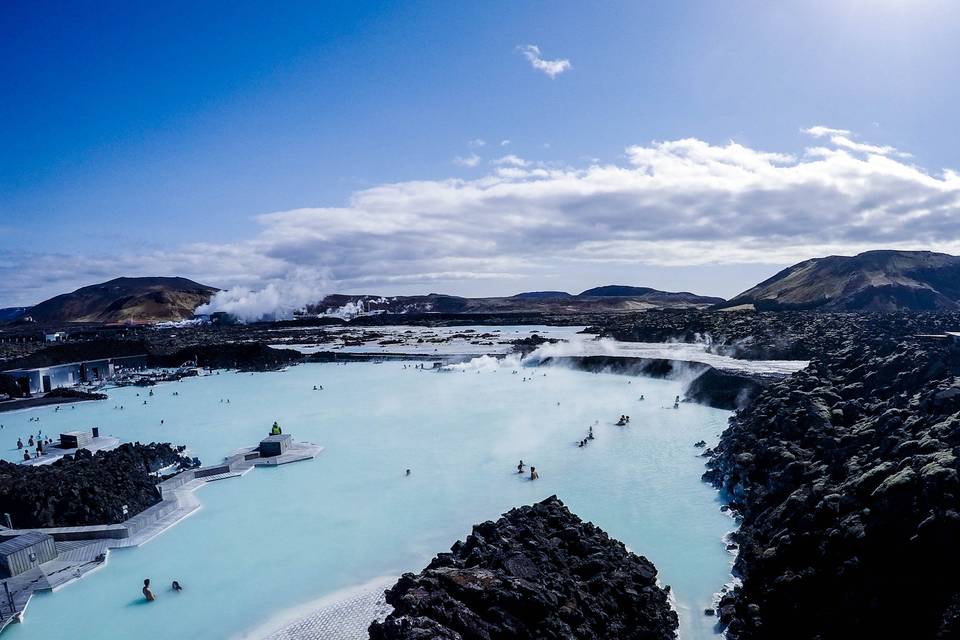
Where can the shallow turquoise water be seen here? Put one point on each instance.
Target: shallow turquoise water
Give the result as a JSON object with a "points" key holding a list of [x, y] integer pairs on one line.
{"points": [[281, 537]]}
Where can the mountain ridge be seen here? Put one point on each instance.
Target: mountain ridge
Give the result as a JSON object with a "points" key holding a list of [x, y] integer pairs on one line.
{"points": [[879, 280], [139, 300]]}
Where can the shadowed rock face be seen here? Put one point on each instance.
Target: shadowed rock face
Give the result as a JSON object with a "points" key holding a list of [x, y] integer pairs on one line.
{"points": [[538, 572], [847, 478]]}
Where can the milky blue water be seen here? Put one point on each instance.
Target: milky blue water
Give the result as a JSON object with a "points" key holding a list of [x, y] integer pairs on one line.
{"points": [[281, 537]]}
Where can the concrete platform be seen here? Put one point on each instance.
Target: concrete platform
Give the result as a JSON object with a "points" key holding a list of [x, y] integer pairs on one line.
{"points": [[53, 453]]}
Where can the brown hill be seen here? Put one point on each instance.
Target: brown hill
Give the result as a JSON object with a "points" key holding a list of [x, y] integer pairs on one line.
{"points": [[871, 281], [125, 300]]}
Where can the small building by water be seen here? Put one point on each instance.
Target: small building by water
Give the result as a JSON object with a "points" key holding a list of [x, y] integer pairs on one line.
{"points": [[25, 552], [77, 439], [45, 379], [275, 445]]}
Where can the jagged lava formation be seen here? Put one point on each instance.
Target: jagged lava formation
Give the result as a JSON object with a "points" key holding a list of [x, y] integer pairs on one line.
{"points": [[537, 572], [86, 489], [846, 479]]}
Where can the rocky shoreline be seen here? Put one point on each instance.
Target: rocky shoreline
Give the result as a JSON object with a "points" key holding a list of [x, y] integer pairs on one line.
{"points": [[55, 397], [847, 482], [782, 335], [539, 572], [708, 386]]}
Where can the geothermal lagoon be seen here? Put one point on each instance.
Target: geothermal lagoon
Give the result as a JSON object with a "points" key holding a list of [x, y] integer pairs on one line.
{"points": [[264, 547]]}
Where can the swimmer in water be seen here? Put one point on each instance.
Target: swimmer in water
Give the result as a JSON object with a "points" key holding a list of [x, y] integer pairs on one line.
{"points": [[147, 593], [533, 473], [408, 472], [520, 467], [176, 586]]}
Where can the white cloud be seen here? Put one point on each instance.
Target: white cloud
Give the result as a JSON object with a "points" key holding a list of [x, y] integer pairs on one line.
{"points": [[476, 143], [552, 68], [505, 143], [469, 161], [511, 160], [844, 138], [678, 202]]}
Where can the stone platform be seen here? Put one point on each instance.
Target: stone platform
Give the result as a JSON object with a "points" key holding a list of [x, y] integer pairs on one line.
{"points": [[52, 453]]}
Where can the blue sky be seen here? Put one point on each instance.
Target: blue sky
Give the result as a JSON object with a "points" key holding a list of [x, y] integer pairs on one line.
{"points": [[232, 142]]}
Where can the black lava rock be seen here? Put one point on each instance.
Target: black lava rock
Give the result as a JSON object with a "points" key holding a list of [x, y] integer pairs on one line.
{"points": [[847, 479], [86, 489], [538, 572]]}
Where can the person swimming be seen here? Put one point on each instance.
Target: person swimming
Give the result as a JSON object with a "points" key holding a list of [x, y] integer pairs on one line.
{"points": [[176, 586], [622, 421], [520, 467], [147, 593], [408, 472], [533, 473]]}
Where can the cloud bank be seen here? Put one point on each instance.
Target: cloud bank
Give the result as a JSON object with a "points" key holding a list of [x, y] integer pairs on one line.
{"points": [[678, 202]]}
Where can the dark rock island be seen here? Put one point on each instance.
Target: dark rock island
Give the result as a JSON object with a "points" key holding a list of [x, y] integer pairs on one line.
{"points": [[537, 572]]}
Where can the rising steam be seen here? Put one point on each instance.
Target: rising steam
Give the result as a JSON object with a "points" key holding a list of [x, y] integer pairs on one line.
{"points": [[275, 301]]}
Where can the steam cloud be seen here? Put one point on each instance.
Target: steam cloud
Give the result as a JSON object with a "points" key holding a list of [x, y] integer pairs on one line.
{"points": [[277, 300]]}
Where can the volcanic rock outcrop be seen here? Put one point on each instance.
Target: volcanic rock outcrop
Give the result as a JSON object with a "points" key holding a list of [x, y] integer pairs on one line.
{"points": [[537, 572], [784, 335], [847, 479], [86, 489]]}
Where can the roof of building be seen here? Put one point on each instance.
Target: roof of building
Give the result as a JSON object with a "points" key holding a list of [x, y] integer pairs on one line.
{"points": [[22, 542], [109, 360]]}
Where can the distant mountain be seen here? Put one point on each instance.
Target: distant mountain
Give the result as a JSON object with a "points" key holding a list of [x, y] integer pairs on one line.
{"points": [[618, 290], [542, 295], [555, 302], [122, 300], [656, 298], [871, 281], [11, 313]]}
